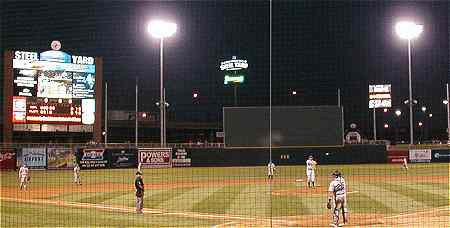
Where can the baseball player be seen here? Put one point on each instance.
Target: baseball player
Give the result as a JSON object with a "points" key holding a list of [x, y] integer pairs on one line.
{"points": [[311, 171], [139, 185], [270, 169], [338, 192], [405, 164], [76, 174], [24, 177]]}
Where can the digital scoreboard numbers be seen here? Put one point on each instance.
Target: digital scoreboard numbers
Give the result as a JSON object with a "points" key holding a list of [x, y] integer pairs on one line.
{"points": [[40, 110]]}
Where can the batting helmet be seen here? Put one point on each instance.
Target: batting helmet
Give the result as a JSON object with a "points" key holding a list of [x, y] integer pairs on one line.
{"points": [[336, 173]]}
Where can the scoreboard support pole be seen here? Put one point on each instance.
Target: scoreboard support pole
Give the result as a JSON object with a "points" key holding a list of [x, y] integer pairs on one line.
{"points": [[7, 96]]}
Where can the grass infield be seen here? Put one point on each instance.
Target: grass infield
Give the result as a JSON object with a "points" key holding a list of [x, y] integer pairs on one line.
{"points": [[379, 195]]}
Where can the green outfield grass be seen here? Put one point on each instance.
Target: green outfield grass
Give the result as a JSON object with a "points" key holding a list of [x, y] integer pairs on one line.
{"points": [[204, 197]]}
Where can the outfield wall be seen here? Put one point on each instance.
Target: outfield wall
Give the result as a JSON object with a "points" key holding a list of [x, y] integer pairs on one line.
{"points": [[98, 157]]}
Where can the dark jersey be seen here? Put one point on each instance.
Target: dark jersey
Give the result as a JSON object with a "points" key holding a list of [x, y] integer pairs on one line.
{"points": [[139, 185]]}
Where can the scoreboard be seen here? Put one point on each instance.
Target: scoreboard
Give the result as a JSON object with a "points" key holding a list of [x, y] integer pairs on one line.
{"points": [[53, 87]]}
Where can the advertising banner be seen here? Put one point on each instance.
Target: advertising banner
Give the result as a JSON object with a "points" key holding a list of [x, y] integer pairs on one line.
{"points": [[60, 158], [92, 158], [181, 158], [7, 159], [380, 96], [422, 155], [123, 158], [396, 156], [440, 155], [155, 157], [34, 158]]}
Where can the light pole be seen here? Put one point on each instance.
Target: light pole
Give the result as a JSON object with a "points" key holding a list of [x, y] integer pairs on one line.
{"points": [[448, 114], [398, 113], [409, 30], [162, 29]]}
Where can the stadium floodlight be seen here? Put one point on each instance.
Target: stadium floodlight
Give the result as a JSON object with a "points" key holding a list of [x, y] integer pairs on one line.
{"points": [[424, 109], [409, 30], [398, 112], [161, 29], [445, 102]]}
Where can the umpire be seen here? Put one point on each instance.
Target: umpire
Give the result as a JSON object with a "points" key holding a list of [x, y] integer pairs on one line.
{"points": [[139, 185]]}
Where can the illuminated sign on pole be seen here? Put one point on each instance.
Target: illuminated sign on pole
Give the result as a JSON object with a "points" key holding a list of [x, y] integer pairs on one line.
{"points": [[233, 79], [234, 64], [380, 96]]}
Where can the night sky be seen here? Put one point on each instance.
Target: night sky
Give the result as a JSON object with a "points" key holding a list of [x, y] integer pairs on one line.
{"points": [[317, 47]]}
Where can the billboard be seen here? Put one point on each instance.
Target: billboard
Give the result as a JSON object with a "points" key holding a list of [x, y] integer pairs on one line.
{"points": [[155, 157], [123, 158], [380, 96], [440, 155], [95, 158], [60, 158], [181, 157], [53, 87], [420, 155], [7, 159], [34, 158]]}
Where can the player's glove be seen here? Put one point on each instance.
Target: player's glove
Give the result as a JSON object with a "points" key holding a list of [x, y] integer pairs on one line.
{"points": [[329, 204], [28, 178]]}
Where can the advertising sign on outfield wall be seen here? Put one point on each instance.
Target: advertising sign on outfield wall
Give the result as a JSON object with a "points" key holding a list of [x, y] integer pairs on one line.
{"points": [[60, 158], [155, 157], [420, 155], [440, 155], [7, 159], [181, 157], [123, 157], [397, 156], [34, 158], [92, 158]]}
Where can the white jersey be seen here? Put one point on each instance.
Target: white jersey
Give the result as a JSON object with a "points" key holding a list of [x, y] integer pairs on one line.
{"points": [[338, 186], [310, 164], [23, 172], [76, 170], [270, 168]]}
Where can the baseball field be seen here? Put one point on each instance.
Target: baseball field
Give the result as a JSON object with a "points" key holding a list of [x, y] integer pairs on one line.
{"points": [[381, 195]]}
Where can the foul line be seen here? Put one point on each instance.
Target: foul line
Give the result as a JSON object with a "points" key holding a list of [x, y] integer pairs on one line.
{"points": [[149, 211]]}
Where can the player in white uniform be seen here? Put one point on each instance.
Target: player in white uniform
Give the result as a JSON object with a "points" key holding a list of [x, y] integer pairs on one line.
{"points": [[405, 164], [23, 177], [270, 169], [139, 167], [338, 192], [311, 171], [76, 174]]}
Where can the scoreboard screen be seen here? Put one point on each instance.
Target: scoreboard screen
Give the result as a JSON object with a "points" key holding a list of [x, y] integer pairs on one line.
{"points": [[53, 87]]}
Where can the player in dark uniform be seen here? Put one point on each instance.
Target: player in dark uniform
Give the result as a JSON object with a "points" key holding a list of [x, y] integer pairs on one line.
{"points": [[139, 185]]}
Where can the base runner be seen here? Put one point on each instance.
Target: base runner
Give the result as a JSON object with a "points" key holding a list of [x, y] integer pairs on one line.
{"points": [[24, 177], [338, 192]]}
